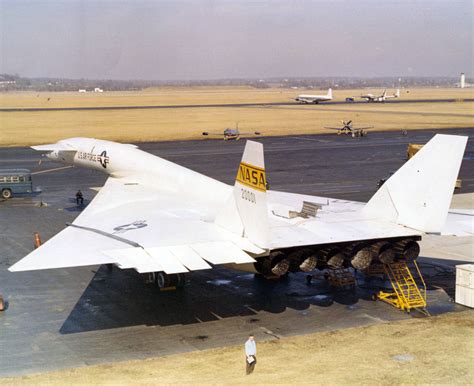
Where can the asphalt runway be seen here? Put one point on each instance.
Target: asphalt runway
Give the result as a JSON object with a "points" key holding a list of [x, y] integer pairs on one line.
{"points": [[75, 317], [220, 105]]}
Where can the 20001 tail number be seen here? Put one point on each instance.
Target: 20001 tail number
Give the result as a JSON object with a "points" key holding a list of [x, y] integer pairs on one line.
{"points": [[248, 196]]}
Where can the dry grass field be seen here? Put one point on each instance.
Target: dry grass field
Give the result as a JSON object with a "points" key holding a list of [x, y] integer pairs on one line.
{"points": [[436, 350], [27, 128]]}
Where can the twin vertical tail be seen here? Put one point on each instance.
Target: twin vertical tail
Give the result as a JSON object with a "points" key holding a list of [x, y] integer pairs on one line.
{"points": [[419, 194], [246, 211]]}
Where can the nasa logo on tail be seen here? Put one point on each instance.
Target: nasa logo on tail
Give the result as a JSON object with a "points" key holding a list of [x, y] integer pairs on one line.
{"points": [[252, 177]]}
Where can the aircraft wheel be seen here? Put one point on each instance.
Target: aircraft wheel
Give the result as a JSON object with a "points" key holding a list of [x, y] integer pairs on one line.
{"points": [[179, 280], [163, 280], [6, 194]]}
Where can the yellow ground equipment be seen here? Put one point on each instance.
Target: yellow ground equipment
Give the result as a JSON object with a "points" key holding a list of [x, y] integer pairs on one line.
{"points": [[413, 149], [406, 294]]}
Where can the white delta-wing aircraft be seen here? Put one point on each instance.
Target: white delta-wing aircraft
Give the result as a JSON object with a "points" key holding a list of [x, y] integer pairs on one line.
{"points": [[165, 220], [304, 98], [380, 98]]}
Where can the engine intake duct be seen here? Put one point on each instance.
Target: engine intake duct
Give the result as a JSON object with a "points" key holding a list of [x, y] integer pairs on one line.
{"points": [[407, 249], [361, 256], [333, 256], [384, 252]]}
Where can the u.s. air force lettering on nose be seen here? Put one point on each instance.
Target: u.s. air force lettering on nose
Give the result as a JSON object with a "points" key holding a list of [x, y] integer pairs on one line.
{"points": [[101, 158]]}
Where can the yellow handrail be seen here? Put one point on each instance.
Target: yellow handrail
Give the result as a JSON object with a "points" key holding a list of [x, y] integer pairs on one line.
{"points": [[422, 280]]}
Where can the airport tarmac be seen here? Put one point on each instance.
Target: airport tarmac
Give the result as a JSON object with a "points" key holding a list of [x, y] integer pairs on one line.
{"points": [[75, 317]]}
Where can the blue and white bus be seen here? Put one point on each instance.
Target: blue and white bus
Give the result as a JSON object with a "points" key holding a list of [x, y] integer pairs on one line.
{"points": [[15, 181]]}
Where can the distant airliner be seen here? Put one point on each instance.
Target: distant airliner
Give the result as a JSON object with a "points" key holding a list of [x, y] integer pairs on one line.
{"points": [[380, 98], [304, 98]]}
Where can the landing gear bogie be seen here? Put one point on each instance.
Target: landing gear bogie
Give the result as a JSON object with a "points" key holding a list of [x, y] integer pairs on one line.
{"points": [[166, 281]]}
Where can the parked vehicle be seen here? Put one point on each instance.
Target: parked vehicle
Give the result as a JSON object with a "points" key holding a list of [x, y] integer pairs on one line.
{"points": [[15, 181]]}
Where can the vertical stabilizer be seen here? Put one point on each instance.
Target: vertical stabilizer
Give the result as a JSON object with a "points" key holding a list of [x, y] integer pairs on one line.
{"points": [[419, 194], [245, 212], [330, 93], [250, 194]]}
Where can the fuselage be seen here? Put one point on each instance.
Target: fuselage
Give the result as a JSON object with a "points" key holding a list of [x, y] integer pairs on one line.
{"points": [[123, 160], [230, 134], [305, 98], [380, 98]]}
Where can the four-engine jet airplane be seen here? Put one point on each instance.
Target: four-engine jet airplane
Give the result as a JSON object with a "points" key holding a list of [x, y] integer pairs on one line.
{"points": [[380, 98], [230, 134], [304, 98], [165, 220], [347, 129]]}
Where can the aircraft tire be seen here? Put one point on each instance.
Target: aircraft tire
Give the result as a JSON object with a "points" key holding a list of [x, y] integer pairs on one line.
{"points": [[163, 280]]}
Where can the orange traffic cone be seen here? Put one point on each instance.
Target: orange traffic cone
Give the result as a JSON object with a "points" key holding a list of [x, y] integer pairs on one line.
{"points": [[37, 240]]}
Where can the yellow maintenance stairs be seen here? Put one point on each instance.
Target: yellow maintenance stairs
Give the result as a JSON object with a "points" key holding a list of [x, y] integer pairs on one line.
{"points": [[406, 294]]}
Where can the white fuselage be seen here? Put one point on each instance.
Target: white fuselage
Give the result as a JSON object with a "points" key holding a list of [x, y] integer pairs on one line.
{"points": [[304, 98], [381, 98], [122, 160]]}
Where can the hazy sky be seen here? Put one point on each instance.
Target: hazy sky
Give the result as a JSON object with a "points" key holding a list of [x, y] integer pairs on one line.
{"points": [[166, 40]]}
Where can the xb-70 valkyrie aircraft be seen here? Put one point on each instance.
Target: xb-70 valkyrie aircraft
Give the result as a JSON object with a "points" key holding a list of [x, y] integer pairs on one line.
{"points": [[165, 220]]}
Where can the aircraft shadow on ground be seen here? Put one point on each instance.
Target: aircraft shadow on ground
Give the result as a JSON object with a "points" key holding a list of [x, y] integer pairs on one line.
{"points": [[121, 299]]}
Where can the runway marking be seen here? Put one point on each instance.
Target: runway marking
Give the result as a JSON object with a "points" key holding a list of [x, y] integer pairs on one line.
{"points": [[217, 316], [21, 160], [270, 332], [251, 309], [307, 139], [52, 170]]}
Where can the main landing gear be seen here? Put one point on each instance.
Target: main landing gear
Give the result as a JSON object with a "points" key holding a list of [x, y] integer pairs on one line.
{"points": [[167, 282]]}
